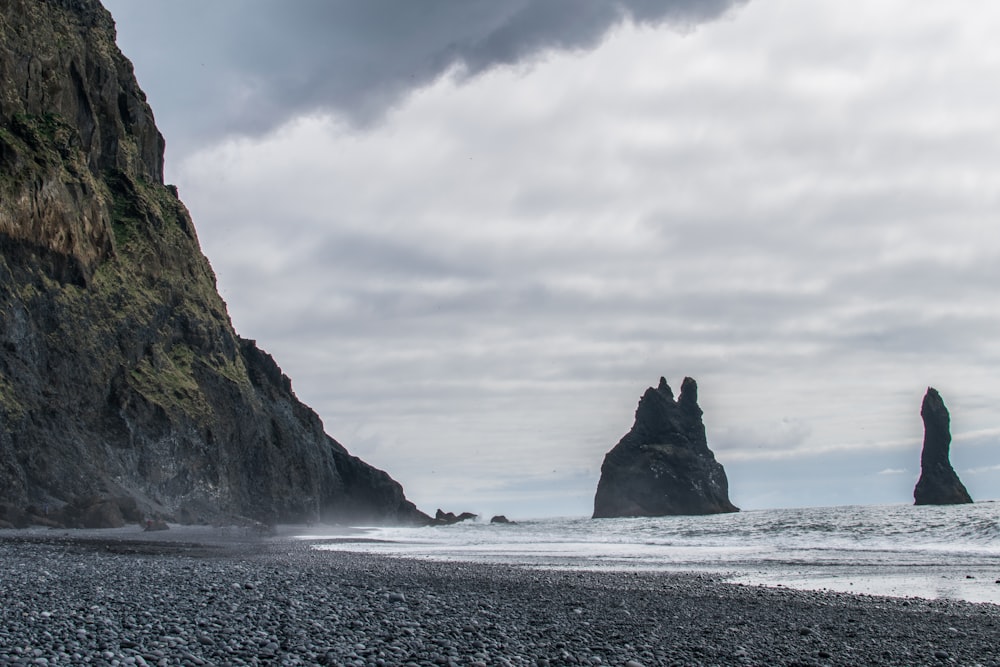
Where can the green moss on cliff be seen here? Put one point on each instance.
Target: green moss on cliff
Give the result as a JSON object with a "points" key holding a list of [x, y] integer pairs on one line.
{"points": [[46, 140], [166, 377], [158, 275], [9, 403], [126, 217]]}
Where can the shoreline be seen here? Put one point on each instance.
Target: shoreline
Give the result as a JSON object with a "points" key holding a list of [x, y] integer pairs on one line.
{"points": [[201, 598]]}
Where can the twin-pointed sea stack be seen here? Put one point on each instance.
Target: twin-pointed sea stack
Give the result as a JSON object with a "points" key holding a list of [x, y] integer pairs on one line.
{"points": [[663, 466], [122, 381], [939, 483]]}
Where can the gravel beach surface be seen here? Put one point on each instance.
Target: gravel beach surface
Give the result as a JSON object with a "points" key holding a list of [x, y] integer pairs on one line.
{"points": [[204, 597]]}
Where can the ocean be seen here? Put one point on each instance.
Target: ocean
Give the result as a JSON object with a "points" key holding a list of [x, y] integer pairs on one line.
{"points": [[950, 552]]}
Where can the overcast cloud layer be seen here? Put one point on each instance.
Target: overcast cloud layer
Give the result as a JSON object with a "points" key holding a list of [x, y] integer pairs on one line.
{"points": [[473, 235], [246, 66]]}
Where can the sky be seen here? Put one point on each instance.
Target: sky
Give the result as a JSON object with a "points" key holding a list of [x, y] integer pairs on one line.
{"points": [[473, 233]]}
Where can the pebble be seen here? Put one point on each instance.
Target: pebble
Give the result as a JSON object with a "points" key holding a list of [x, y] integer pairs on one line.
{"points": [[282, 603]]}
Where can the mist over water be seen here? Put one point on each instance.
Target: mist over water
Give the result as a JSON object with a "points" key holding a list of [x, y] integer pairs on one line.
{"points": [[899, 550]]}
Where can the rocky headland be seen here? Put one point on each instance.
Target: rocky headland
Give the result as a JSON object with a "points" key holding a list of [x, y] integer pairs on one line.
{"points": [[124, 389], [939, 483], [663, 465]]}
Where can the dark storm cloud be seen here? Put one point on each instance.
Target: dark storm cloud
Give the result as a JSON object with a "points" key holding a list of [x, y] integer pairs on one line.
{"points": [[246, 66]]}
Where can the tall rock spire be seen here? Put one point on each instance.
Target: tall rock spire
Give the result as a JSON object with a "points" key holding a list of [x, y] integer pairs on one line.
{"points": [[939, 483]]}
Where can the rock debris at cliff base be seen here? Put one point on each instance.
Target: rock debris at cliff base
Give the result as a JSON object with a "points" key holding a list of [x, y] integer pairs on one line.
{"points": [[66, 601]]}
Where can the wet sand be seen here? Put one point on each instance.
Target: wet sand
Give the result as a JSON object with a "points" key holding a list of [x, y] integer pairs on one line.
{"points": [[203, 596]]}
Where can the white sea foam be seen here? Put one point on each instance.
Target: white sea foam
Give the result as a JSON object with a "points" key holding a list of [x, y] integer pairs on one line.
{"points": [[899, 550]]}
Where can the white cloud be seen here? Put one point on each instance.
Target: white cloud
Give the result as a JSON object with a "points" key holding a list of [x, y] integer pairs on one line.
{"points": [[981, 470], [483, 284]]}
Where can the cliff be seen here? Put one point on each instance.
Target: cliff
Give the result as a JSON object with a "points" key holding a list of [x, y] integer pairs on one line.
{"points": [[939, 483], [121, 376], [663, 465]]}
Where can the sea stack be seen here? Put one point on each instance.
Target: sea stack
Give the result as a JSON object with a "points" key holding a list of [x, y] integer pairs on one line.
{"points": [[663, 466], [124, 390], [939, 483]]}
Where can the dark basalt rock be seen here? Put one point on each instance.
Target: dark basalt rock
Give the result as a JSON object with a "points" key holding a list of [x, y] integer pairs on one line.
{"points": [[663, 466], [501, 519], [120, 372], [14, 517], [442, 518], [97, 512], [939, 483], [155, 525]]}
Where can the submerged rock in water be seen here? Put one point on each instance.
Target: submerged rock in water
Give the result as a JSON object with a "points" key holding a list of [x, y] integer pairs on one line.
{"points": [[442, 518], [663, 465], [939, 483]]}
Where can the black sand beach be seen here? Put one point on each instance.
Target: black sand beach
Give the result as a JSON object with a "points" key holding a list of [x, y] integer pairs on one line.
{"points": [[205, 597]]}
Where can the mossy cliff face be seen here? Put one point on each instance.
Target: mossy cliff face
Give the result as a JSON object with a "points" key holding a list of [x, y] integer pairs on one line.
{"points": [[120, 372]]}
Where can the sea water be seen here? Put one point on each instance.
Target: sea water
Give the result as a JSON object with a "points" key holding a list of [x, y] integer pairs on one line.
{"points": [[898, 550]]}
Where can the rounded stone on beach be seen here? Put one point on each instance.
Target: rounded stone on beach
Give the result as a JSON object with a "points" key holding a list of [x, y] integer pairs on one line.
{"points": [[305, 607]]}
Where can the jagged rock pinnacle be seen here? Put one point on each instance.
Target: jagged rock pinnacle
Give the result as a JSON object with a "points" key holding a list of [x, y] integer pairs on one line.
{"points": [[663, 464]]}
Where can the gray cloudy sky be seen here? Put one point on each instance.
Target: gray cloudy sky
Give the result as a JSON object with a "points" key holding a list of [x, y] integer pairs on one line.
{"points": [[473, 233]]}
